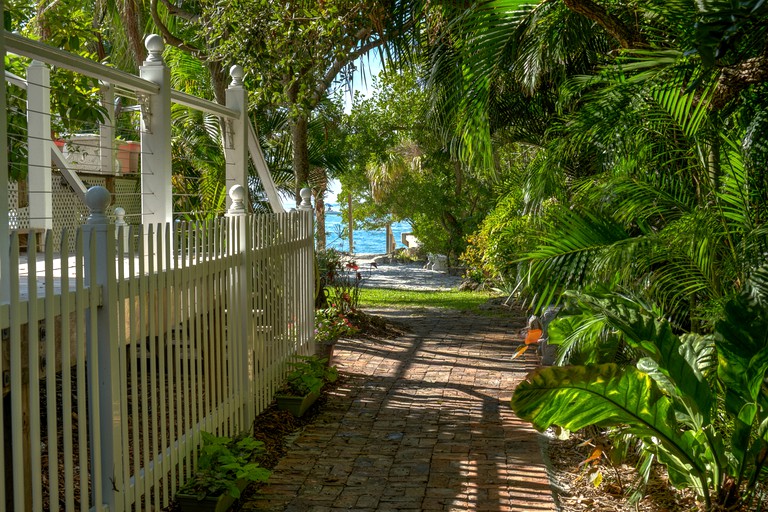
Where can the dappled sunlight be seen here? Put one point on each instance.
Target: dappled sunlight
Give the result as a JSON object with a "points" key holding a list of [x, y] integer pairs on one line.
{"points": [[423, 422]]}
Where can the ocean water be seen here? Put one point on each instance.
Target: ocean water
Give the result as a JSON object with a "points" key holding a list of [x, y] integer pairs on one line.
{"points": [[366, 241]]}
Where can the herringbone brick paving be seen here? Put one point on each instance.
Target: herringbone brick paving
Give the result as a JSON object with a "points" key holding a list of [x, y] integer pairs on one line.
{"points": [[422, 422]]}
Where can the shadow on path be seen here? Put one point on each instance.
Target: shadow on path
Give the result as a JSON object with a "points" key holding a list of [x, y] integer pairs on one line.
{"points": [[421, 422]]}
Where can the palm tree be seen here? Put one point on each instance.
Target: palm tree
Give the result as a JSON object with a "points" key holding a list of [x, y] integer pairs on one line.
{"points": [[614, 114]]}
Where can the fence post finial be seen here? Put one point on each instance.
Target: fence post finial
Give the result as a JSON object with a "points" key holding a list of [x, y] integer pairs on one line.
{"points": [[155, 46], [306, 199], [120, 216], [237, 74], [237, 194], [97, 200], [120, 223]]}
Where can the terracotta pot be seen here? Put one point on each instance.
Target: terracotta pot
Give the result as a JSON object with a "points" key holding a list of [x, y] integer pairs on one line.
{"points": [[128, 154]]}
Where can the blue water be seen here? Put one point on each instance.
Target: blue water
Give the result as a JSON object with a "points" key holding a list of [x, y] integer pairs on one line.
{"points": [[366, 241]]}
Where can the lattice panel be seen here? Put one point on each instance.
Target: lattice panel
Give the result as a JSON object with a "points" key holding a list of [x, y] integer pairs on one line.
{"points": [[128, 196], [68, 211], [18, 216], [13, 195]]}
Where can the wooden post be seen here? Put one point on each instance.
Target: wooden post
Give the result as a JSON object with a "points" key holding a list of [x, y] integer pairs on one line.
{"points": [[104, 380], [306, 272], [236, 135], [107, 130], [239, 310], [388, 234], [39, 141], [156, 197]]}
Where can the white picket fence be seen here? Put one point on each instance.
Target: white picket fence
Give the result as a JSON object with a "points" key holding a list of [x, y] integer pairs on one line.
{"points": [[129, 358], [118, 348]]}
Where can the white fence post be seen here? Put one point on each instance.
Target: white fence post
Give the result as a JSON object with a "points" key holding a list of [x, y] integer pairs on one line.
{"points": [[156, 199], [107, 130], [239, 314], [307, 271], [120, 223], [39, 142], [236, 134], [306, 200], [105, 421]]}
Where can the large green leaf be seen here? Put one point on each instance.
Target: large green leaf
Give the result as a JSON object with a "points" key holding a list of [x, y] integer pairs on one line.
{"points": [[678, 361], [574, 397], [742, 344]]}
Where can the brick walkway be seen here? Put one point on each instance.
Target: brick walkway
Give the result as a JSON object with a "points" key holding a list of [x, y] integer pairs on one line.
{"points": [[421, 422]]}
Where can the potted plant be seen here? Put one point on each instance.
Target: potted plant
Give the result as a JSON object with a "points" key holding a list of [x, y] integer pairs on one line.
{"points": [[330, 325], [224, 468], [304, 383]]}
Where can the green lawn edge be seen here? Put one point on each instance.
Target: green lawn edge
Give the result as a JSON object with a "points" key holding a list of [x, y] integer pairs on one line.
{"points": [[447, 299]]}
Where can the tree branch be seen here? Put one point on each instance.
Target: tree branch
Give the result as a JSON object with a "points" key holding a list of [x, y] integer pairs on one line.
{"points": [[627, 36], [168, 36], [179, 12], [734, 79], [339, 63]]}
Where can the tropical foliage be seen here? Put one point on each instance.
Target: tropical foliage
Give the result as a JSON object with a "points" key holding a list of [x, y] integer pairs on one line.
{"points": [[639, 203], [400, 169], [670, 394], [223, 463]]}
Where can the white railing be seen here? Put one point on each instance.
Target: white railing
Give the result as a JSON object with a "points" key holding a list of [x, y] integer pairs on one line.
{"points": [[132, 357], [152, 93], [120, 345]]}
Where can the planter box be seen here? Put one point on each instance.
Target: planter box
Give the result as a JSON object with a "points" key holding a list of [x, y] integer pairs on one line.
{"points": [[296, 405], [222, 503]]}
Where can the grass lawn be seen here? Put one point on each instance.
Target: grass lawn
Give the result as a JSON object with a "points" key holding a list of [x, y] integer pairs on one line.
{"points": [[453, 299]]}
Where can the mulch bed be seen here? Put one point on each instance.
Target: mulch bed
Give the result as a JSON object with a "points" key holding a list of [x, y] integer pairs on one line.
{"points": [[600, 485]]}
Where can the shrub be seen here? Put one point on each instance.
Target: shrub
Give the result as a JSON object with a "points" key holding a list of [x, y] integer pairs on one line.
{"points": [[331, 324], [308, 375], [697, 402], [224, 461], [339, 282]]}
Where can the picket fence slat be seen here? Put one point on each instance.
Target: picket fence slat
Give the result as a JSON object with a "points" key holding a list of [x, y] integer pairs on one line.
{"points": [[50, 378], [66, 384]]}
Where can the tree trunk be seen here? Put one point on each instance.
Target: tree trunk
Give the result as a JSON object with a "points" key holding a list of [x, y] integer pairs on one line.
{"points": [[300, 142], [628, 37], [130, 16], [43, 32], [320, 219], [219, 79]]}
